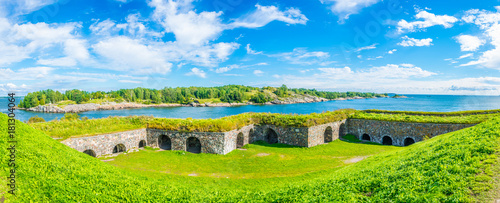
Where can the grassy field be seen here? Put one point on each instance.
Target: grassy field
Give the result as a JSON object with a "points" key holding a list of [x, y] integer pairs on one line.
{"points": [[453, 167], [403, 117], [259, 160]]}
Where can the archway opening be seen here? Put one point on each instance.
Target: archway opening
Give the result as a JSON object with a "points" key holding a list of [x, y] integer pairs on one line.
{"points": [[366, 137], [164, 142], [90, 152], [328, 135], [271, 136], [193, 145], [342, 130], [239, 140], [119, 148], [409, 141], [386, 140], [142, 143]]}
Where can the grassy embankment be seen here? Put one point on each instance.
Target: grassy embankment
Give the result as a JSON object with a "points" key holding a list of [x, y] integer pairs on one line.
{"points": [[454, 167]]}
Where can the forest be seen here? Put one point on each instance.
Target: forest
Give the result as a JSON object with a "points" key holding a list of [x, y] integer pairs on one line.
{"points": [[182, 95]]}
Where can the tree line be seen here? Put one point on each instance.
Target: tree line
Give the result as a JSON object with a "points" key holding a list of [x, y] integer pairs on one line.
{"points": [[182, 95]]}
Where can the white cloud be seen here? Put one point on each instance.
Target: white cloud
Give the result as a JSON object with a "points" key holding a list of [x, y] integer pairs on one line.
{"points": [[469, 43], [466, 56], [21, 7], [392, 51], [134, 27], [130, 81], [125, 54], [344, 8], [258, 72], [32, 73], [390, 71], [266, 14], [373, 46], [250, 51], [227, 68], [197, 72], [428, 20], [488, 22], [410, 42], [192, 28], [303, 57]]}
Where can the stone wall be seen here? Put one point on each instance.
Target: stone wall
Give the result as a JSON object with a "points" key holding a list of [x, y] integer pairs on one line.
{"points": [[104, 144], [225, 142], [399, 131], [317, 133], [286, 135], [211, 142]]}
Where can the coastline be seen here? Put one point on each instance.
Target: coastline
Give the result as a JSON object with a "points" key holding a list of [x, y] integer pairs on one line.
{"points": [[77, 108]]}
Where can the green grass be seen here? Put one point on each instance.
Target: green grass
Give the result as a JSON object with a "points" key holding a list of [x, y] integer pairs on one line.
{"points": [[453, 167], [258, 160], [423, 113], [81, 128], [465, 119]]}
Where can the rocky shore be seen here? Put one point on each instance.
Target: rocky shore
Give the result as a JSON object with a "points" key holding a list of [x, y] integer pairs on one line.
{"points": [[76, 108]]}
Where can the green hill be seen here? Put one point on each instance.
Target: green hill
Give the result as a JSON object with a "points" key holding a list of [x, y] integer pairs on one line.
{"points": [[456, 167]]}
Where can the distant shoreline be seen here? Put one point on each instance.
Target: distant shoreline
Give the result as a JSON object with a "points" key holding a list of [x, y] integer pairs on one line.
{"points": [[77, 108]]}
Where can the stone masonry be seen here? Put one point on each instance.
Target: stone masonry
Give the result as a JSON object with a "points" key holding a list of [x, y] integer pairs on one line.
{"points": [[225, 142]]}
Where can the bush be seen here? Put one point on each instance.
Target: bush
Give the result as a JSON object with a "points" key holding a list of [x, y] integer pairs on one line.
{"points": [[36, 119], [70, 116]]}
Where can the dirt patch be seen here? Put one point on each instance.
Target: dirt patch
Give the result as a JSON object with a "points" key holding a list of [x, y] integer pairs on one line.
{"points": [[282, 156], [355, 159], [241, 149], [193, 174], [262, 154], [108, 160]]}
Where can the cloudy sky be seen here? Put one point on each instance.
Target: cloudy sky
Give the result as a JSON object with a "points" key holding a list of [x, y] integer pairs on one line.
{"points": [[395, 46]]}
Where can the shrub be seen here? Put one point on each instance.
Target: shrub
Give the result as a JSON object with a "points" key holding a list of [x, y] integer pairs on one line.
{"points": [[36, 119]]}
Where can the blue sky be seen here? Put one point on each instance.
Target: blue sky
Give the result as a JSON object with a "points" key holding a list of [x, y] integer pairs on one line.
{"points": [[422, 47]]}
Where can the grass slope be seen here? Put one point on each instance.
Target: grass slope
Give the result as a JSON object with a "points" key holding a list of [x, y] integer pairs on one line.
{"points": [[454, 167]]}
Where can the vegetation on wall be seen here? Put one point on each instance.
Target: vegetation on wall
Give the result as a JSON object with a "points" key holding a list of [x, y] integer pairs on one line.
{"points": [[182, 95]]}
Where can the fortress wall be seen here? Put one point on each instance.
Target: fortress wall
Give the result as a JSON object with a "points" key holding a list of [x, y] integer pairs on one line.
{"points": [[230, 137], [211, 142], [104, 144], [317, 133], [286, 135], [399, 131]]}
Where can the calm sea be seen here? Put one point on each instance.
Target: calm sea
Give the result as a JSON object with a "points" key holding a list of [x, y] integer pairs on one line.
{"points": [[439, 103]]}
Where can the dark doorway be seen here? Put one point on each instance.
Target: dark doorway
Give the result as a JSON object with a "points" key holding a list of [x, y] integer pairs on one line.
{"points": [[164, 142], [328, 134], [142, 144], [271, 136], [409, 141], [239, 140], [342, 130], [193, 145], [90, 152], [119, 148], [366, 137], [386, 140]]}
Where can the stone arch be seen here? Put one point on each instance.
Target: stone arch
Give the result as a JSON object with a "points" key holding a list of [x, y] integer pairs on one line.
{"points": [[328, 135], [271, 136], [164, 142], [90, 152], [119, 148], [342, 129], [142, 143], [240, 140], [386, 140], [409, 141], [366, 137], [193, 145]]}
